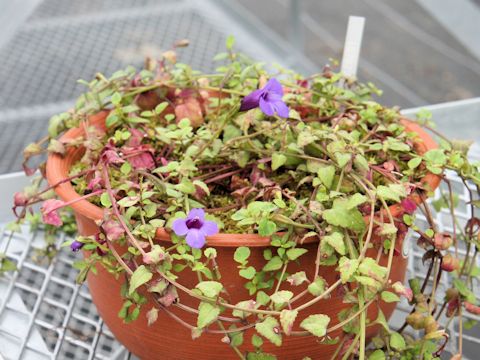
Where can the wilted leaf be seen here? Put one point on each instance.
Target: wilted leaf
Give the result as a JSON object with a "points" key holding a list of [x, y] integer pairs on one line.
{"points": [[281, 297], [210, 288], [287, 318], [152, 316], [347, 268], [316, 324], [270, 329]]}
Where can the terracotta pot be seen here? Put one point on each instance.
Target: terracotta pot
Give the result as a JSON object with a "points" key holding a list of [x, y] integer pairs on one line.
{"points": [[166, 338]]}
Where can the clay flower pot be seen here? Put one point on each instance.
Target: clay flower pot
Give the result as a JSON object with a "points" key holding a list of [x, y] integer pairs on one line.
{"points": [[166, 338]]}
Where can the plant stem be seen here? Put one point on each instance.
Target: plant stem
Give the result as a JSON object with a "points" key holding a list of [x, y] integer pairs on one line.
{"points": [[235, 348], [351, 347], [363, 317], [108, 186]]}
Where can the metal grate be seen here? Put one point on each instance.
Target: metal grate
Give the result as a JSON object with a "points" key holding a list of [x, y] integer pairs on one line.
{"points": [[58, 8], [63, 41], [41, 64], [44, 314]]}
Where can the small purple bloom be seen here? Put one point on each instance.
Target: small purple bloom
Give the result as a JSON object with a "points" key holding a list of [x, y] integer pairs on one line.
{"points": [[268, 98], [76, 245], [195, 228]]}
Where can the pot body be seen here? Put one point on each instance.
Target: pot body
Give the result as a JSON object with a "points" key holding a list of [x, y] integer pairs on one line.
{"points": [[167, 339]]}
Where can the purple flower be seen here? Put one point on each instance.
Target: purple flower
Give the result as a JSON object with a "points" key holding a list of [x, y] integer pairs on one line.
{"points": [[268, 98], [76, 245], [195, 228]]}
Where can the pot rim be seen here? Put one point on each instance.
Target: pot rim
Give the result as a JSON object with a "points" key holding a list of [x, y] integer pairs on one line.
{"points": [[58, 167]]}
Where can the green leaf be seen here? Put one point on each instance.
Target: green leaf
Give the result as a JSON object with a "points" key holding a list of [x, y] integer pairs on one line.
{"points": [[340, 215], [372, 269], [257, 341], [105, 200], [464, 290], [326, 175], [210, 288], [230, 42], [260, 356], [414, 162], [368, 282], [128, 201], [297, 279], [355, 200], [287, 318], [389, 297], [295, 253], [266, 227], [236, 338], [270, 329], [316, 324], [247, 305], [343, 158], [377, 355], [381, 320], [436, 157], [388, 229], [207, 314], [305, 138], [281, 297], [361, 163], [335, 240], [397, 341], [262, 298], [241, 254], [392, 192], [160, 107], [8, 265], [116, 98], [248, 273], [140, 276], [347, 268], [257, 207], [185, 186], [396, 145], [318, 286], [275, 263], [278, 160]]}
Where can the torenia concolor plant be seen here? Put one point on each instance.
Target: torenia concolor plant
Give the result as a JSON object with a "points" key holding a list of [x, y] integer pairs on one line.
{"points": [[301, 160]]}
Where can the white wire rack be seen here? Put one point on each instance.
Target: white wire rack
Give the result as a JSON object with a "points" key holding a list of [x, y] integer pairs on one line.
{"points": [[43, 313], [416, 268]]}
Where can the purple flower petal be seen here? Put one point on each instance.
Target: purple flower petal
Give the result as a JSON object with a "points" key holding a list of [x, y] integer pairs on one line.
{"points": [[76, 245], [281, 108], [179, 226], [274, 86], [196, 214], [266, 107], [251, 100], [271, 97], [209, 228], [195, 238]]}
